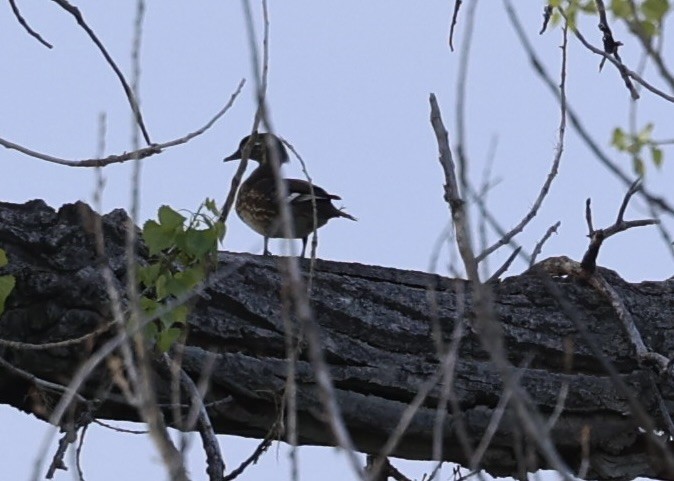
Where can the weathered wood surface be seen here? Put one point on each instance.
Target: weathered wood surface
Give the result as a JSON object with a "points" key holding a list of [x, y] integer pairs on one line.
{"points": [[376, 326]]}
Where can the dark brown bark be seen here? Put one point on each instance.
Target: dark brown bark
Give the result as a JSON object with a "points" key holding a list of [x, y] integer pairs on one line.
{"points": [[376, 325]]}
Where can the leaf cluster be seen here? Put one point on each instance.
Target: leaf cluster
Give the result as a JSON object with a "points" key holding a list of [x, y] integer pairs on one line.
{"points": [[636, 144], [182, 253], [7, 282]]}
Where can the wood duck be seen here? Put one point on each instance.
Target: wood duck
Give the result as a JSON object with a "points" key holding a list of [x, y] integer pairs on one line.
{"points": [[257, 201]]}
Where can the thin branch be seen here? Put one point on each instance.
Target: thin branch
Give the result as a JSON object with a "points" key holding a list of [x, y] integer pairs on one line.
{"points": [[215, 465], [462, 96], [597, 237], [24, 24], [53, 345], [625, 72], [547, 13], [126, 156], [588, 215], [40, 383], [314, 234], [636, 185], [573, 117], [506, 265], [78, 453], [554, 168], [255, 456], [636, 26], [455, 14], [79, 18], [452, 196], [66, 440], [539, 245]]}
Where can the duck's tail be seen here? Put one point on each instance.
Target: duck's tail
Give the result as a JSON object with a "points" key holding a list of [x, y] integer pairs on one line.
{"points": [[341, 213]]}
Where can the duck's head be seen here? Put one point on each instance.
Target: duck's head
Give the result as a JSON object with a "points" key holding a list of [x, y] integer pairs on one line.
{"points": [[263, 147]]}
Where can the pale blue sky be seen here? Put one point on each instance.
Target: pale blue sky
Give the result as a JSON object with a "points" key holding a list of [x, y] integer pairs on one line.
{"points": [[348, 87]]}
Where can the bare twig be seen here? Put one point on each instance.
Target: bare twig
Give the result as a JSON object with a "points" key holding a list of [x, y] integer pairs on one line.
{"points": [[215, 464], [126, 156], [635, 25], [79, 18], [40, 383], [314, 234], [506, 265], [452, 196], [588, 215], [24, 24], [626, 73], [78, 453], [455, 14], [462, 96], [597, 237], [255, 456], [554, 168], [66, 440], [610, 44], [53, 345], [539, 245], [547, 13], [575, 119], [118, 429]]}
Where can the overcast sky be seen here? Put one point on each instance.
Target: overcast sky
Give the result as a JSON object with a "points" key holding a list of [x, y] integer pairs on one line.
{"points": [[349, 84]]}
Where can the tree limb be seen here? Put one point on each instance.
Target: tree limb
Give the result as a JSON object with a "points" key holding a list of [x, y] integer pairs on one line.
{"points": [[376, 332]]}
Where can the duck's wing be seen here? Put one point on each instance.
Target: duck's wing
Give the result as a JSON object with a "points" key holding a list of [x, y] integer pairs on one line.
{"points": [[300, 191]]}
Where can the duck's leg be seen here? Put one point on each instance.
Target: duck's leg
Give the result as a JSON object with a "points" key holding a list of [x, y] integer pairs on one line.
{"points": [[266, 247], [304, 246]]}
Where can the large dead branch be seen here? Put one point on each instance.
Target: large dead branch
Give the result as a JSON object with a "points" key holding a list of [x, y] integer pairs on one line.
{"points": [[376, 326]]}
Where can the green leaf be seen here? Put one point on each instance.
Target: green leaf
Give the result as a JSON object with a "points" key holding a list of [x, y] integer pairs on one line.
{"points": [[170, 219], [184, 281], [658, 156], [175, 316], [655, 10], [7, 284], [647, 28], [199, 242], [212, 207], [645, 134], [148, 305], [156, 237], [621, 8], [152, 330], [160, 286], [166, 338], [148, 274], [589, 6], [3, 258], [619, 139]]}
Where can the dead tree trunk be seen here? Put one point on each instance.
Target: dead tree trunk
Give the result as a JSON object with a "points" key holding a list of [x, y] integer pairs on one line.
{"points": [[376, 325]]}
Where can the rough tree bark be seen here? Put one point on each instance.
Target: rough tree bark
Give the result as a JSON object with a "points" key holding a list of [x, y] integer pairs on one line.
{"points": [[376, 326]]}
